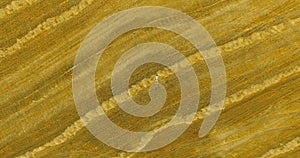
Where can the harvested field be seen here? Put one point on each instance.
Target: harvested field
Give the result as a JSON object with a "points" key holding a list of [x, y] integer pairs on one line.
{"points": [[259, 41]]}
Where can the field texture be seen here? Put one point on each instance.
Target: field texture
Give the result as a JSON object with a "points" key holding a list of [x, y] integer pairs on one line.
{"points": [[259, 41]]}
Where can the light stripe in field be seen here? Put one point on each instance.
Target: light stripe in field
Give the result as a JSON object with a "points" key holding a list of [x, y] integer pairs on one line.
{"points": [[68, 133], [194, 58], [14, 6], [75, 10], [245, 93], [45, 26], [242, 94], [260, 87], [290, 146], [78, 125], [254, 37], [227, 47], [147, 82]]}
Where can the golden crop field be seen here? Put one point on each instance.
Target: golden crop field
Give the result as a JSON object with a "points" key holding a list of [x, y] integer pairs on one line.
{"points": [[259, 41]]}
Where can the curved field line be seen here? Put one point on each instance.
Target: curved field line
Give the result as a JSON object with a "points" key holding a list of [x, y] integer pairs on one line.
{"points": [[110, 104], [15, 6], [45, 26], [239, 96], [230, 46], [147, 82], [227, 47]]}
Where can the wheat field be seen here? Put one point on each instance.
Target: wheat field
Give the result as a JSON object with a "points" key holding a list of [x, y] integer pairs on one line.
{"points": [[259, 41]]}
